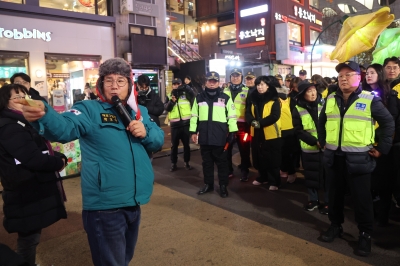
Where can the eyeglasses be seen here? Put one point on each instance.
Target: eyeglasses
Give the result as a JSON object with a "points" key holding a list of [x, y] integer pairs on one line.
{"points": [[347, 76], [19, 97], [120, 82], [394, 68]]}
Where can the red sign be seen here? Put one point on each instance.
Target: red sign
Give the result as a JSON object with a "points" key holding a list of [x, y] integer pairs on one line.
{"points": [[87, 3]]}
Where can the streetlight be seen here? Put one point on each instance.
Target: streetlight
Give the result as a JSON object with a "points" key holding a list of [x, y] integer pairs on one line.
{"points": [[341, 21]]}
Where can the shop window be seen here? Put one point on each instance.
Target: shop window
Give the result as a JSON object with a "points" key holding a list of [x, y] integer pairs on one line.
{"points": [[148, 31], [12, 1], [136, 30], [313, 36], [11, 63], [348, 9], [367, 3], [225, 5], [143, 30], [142, 20], [69, 79], [98, 7], [295, 34], [314, 4], [227, 32]]}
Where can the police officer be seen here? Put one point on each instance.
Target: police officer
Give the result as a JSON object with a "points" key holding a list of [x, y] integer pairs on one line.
{"points": [[303, 74], [250, 78], [346, 130], [288, 78], [214, 120], [238, 93], [178, 107]]}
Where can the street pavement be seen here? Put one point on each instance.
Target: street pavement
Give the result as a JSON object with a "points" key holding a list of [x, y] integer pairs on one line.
{"points": [[253, 226]]}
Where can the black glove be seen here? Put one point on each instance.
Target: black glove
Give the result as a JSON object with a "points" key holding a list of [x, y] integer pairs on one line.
{"points": [[230, 138]]}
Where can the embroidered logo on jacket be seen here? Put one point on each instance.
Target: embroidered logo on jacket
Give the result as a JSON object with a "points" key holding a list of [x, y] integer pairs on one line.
{"points": [[360, 106], [109, 118]]}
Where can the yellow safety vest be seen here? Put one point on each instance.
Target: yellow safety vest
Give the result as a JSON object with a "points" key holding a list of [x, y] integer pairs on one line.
{"points": [[240, 102], [181, 109], [310, 127], [270, 132], [286, 114], [357, 124]]}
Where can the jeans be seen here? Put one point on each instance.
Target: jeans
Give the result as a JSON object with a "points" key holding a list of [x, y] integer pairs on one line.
{"points": [[26, 245], [313, 195], [112, 234]]}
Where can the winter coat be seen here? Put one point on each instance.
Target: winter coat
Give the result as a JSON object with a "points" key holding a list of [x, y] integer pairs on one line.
{"points": [[312, 162], [153, 103], [357, 161], [31, 198], [169, 104], [116, 170], [35, 95]]}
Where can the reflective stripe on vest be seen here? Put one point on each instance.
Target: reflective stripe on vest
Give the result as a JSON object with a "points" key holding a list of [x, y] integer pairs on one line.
{"points": [[181, 110], [239, 102], [286, 115], [310, 127], [357, 124], [270, 132]]}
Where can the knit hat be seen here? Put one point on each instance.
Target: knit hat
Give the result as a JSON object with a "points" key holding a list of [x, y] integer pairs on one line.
{"points": [[121, 67]]}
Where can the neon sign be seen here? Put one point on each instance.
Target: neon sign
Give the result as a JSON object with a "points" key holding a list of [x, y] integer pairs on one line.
{"points": [[25, 34]]}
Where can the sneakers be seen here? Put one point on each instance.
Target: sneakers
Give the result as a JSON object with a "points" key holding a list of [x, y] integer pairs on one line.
{"points": [[188, 167], [173, 167], [311, 205], [291, 178], [324, 210], [283, 174], [273, 188], [258, 183], [245, 176], [332, 232], [364, 245]]}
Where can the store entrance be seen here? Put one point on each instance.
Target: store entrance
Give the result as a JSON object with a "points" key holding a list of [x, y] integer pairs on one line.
{"points": [[70, 78]]}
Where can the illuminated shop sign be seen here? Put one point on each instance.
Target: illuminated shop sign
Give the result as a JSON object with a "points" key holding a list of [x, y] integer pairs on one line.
{"points": [[280, 17], [251, 17], [306, 15], [232, 57], [25, 34]]}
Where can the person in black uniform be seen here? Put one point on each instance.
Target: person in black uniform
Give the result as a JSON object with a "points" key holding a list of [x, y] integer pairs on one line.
{"points": [[213, 126]]}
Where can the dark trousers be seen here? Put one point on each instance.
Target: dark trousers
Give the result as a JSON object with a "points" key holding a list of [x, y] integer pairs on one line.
{"points": [[383, 184], [360, 187], [288, 159], [26, 246], [267, 160], [182, 134], [210, 155], [244, 149]]}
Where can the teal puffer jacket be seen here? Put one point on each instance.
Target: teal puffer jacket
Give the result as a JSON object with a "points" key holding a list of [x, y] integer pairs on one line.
{"points": [[116, 170]]}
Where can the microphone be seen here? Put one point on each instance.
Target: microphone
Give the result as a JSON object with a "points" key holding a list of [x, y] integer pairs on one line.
{"points": [[126, 117]]}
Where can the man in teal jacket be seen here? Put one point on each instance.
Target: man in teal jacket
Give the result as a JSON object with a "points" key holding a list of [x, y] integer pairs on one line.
{"points": [[117, 176]]}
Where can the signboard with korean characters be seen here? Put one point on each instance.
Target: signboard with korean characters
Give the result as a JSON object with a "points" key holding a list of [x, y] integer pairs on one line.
{"points": [[251, 18]]}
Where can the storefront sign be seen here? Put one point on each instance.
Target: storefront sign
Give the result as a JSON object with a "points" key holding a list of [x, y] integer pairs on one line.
{"points": [[229, 52], [305, 14], [281, 17], [58, 75], [58, 100], [251, 17], [25, 34]]}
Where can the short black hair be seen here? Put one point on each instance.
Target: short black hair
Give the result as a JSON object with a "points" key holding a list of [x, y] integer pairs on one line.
{"points": [[143, 80], [391, 59], [188, 77], [5, 94], [22, 75]]}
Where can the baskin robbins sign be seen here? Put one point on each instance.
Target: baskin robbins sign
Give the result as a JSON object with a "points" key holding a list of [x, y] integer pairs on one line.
{"points": [[25, 34]]}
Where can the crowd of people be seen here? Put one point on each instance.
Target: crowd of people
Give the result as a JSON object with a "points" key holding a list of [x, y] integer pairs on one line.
{"points": [[343, 133]]}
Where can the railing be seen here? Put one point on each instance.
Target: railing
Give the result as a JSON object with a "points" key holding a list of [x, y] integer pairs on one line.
{"points": [[182, 51]]}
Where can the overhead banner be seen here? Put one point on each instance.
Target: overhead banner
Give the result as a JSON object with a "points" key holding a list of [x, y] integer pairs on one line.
{"points": [[251, 19]]}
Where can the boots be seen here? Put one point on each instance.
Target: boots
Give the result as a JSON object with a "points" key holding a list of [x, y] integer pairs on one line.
{"points": [[364, 245], [332, 232]]}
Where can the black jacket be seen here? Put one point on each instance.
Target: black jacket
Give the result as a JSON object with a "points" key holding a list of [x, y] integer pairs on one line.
{"points": [[393, 106], [31, 198], [259, 100], [312, 162], [169, 104], [35, 95], [153, 103]]}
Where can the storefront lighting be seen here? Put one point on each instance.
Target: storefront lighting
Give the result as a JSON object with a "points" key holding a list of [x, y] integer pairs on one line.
{"points": [[207, 28], [176, 54], [213, 27], [39, 73], [238, 64], [253, 11], [65, 5], [232, 63]]}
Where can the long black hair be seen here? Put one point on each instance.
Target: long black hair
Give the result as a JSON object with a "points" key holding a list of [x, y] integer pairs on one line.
{"points": [[383, 86], [5, 94], [320, 83]]}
